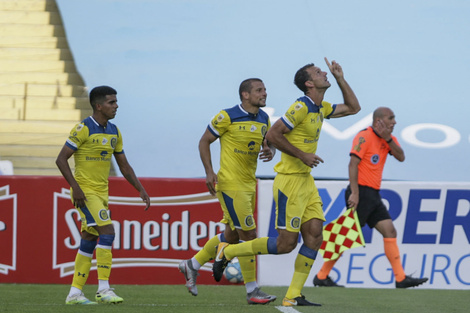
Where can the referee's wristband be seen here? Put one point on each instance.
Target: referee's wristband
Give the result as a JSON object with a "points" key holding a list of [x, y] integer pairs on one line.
{"points": [[390, 140]]}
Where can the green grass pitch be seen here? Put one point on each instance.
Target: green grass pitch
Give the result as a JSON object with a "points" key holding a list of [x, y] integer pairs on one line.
{"points": [[175, 298]]}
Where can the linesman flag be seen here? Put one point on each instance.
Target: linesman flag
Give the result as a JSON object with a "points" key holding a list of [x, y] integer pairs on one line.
{"points": [[340, 235]]}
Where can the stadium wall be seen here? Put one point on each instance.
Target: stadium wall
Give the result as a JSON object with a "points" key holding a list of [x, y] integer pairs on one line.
{"points": [[433, 226], [39, 232]]}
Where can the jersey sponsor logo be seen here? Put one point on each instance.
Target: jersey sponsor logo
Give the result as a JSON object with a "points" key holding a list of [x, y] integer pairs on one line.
{"points": [[253, 128], [220, 118], [79, 127], [251, 145], [104, 216], [290, 118], [297, 107], [104, 141], [73, 138], [375, 159]]}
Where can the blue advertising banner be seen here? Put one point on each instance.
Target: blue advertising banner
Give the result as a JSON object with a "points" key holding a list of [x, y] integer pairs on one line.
{"points": [[433, 225]]}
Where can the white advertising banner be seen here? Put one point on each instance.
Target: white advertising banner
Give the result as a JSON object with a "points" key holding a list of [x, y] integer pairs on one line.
{"points": [[433, 225]]}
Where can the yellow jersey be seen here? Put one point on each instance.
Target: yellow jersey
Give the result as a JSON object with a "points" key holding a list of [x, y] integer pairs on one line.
{"points": [[94, 147], [241, 135], [304, 119]]}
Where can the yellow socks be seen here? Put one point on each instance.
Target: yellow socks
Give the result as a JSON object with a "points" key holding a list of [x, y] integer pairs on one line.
{"points": [[208, 251], [82, 270], [303, 265]]}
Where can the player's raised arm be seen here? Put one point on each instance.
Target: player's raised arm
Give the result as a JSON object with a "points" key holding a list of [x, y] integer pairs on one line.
{"points": [[351, 103]]}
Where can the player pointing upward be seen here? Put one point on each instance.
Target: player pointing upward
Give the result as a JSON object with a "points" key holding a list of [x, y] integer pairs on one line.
{"points": [[298, 204]]}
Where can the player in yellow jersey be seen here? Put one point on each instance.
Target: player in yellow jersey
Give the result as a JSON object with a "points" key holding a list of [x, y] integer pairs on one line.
{"points": [[298, 204], [241, 131], [93, 142]]}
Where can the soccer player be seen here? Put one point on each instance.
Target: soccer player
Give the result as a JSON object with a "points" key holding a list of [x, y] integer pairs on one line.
{"points": [[368, 155], [92, 143], [241, 130], [298, 204]]}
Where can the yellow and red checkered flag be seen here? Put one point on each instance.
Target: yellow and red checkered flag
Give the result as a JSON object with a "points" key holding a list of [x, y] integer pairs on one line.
{"points": [[340, 235]]}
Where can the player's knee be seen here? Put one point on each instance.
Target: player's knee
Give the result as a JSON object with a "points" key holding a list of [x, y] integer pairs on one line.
{"points": [[391, 233], [285, 245], [247, 235], [106, 240]]}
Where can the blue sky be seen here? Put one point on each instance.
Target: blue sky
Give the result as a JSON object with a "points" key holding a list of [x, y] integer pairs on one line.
{"points": [[177, 63]]}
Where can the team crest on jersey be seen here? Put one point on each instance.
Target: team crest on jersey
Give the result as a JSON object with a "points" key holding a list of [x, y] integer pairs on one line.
{"points": [[113, 142], [375, 159], [295, 223], [263, 130], [249, 221], [253, 128], [104, 216], [321, 117], [79, 127], [104, 141]]}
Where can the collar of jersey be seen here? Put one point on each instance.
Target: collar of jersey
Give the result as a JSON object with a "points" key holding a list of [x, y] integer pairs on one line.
{"points": [[309, 102], [246, 112]]}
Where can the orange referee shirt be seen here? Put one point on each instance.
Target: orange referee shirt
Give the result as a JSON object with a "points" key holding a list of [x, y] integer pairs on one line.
{"points": [[373, 151]]}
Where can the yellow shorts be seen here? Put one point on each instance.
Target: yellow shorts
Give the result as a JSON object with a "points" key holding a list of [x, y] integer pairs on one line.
{"points": [[297, 201], [95, 213], [238, 208]]}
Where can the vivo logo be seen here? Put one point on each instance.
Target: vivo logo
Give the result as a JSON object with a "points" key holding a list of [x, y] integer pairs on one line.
{"points": [[409, 134]]}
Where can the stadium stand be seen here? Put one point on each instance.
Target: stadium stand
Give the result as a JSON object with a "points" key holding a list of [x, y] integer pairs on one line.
{"points": [[42, 95]]}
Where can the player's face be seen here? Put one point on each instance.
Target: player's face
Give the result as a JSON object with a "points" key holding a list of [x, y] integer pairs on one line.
{"points": [[389, 120], [109, 107], [258, 95], [318, 77]]}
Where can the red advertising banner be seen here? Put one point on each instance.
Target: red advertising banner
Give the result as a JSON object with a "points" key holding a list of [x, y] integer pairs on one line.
{"points": [[40, 230]]}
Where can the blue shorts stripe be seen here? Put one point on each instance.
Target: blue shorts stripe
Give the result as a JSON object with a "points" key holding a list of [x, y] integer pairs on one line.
{"points": [[90, 221], [231, 210], [281, 213]]}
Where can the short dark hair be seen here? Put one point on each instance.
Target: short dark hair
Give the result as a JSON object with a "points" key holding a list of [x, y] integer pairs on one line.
{"points": [[302, 76], [245, 86], [98, 94]]}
